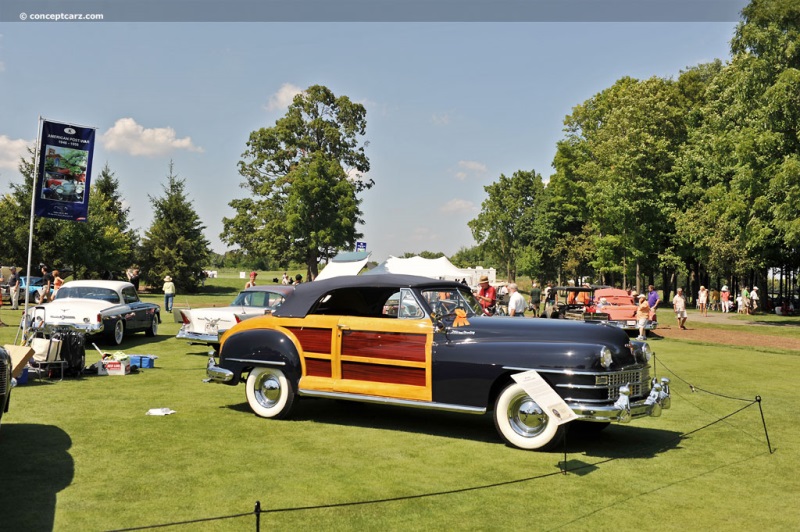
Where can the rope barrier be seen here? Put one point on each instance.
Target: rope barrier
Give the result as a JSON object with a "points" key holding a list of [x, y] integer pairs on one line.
{"points": [[563, 470]]}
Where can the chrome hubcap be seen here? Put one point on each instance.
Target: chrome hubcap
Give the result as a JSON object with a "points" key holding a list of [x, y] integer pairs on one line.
{"points": [[525, 416], [268, 390]]}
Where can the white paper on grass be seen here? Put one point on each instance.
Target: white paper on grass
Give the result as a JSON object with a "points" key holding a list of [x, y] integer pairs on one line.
{"points": [[547, 398], [160, 412]]}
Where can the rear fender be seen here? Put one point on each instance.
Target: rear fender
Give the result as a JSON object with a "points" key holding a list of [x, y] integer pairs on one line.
{"points": [[243, 351]]}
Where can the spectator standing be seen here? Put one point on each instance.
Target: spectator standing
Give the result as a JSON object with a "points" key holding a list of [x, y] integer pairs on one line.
{"points": [[133, 277], [285, 280], [725, 297], [679, 305], [169, 293], [486, 295], [47, 284], [642, 315], [754, 299], [516, 303], [298, 279], [536, 299], [1, 301], [252, 282], [57, 282], [713, 299], [745, 308], [653, 300], [702, 300], [13, 288]]}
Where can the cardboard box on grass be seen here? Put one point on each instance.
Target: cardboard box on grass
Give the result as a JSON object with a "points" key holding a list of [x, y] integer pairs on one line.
{"points": [[20, 355], [114, 367]]}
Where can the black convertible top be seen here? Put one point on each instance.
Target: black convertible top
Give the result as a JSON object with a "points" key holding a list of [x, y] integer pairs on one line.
{"points": [[307, 294]]}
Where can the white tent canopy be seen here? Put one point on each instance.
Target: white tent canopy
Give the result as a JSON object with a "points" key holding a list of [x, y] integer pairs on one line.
{"points": [[440, 268], [345, 263]]}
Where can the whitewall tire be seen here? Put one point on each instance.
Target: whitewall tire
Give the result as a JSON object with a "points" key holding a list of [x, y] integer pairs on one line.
{"points": [[522, 423], [269, 393]]}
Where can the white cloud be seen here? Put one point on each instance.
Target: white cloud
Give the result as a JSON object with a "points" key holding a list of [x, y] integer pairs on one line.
{"points": [[283, 98], [441, 119], [11, 150], [469, 169], [423, 235], [129, 137], [457, 205]]}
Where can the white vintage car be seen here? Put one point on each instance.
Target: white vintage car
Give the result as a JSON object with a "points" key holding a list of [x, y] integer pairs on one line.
{"points": [[110, 308], [206, 325]]}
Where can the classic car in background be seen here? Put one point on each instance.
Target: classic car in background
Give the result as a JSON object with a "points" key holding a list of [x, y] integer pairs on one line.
{"points": [[621, 309], [110, 308], [206, 325], [6, 382], [420, 342], [34, 287], [573, 303]]}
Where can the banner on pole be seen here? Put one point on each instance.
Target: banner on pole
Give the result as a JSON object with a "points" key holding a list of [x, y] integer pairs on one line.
{"points": [[65, 168]]}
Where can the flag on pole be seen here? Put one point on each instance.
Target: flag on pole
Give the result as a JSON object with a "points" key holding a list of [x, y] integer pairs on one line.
{"points": [[64, 171]]}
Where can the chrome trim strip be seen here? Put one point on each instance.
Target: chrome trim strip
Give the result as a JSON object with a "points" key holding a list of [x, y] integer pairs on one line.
{"points": [[256, 362], [396, 402], [639, 367]]}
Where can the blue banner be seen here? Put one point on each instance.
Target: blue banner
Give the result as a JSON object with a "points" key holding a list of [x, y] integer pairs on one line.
{"points": [[65, 169]]}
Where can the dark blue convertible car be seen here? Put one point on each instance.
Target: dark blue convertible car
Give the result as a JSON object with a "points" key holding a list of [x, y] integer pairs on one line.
{"points": [[424, 343]]}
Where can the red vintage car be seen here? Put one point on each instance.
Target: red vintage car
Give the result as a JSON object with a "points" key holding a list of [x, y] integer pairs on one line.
{"points": [[621, 309]]}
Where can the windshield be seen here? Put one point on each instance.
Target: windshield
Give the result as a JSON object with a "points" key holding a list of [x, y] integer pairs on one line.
{"points": [[446, 301]]}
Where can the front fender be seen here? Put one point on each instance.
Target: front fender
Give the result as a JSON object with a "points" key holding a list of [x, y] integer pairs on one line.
{"points": [[242, 351]]}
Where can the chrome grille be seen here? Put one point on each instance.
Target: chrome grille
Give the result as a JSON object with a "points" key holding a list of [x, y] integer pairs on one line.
{"points": [[4, 371], [638, 380]]}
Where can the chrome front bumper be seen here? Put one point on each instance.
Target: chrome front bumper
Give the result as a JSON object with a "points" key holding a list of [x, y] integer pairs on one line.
{"points": [[87, 328], [625, 325], [623, 410]]}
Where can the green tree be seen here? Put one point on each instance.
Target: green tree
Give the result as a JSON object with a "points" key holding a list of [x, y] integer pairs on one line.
{"points": [[174, 244], [499, 225], [303, 177]]}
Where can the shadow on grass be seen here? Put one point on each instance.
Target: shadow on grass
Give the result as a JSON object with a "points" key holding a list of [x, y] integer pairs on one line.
{"points": [[616, 441], [36, 466]]}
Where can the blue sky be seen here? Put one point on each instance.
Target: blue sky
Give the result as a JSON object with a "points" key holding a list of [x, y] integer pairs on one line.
{"points": [[450, 106]]}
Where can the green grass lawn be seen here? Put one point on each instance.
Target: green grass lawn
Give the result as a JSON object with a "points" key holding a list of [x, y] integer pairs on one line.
{"points": [[82, 455]]}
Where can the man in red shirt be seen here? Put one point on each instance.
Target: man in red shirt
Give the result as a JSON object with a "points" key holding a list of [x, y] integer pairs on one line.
{"points": [[486, 295]]}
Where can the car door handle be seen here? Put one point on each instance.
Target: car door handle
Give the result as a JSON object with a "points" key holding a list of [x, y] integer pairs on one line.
{"points": [[343, 327]]}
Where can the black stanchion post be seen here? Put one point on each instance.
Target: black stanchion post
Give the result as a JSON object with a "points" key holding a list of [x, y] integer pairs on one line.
{"points": [[258, 516], [564, 468], [769, 446]]}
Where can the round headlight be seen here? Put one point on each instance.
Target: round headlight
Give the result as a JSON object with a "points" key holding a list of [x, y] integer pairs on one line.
{"points": [[605, 357], [648, 353]]}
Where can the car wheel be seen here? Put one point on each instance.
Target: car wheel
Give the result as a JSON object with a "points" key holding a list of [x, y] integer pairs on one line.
{"points": [[153, 329], [269, 393], [522, 423], [118, 333]]}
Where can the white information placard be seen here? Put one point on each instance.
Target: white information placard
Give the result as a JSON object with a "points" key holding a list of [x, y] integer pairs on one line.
{"points": [[545, 396]]}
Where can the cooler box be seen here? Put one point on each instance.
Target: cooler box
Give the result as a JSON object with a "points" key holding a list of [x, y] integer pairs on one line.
{"points": [[23, 377], [143, 361]]}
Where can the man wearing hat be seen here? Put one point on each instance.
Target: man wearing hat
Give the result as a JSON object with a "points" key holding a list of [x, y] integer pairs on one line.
{"points": [[754, 299], [642, 315], [486, 295], [679, 305], [169, 293], [13, 288]]}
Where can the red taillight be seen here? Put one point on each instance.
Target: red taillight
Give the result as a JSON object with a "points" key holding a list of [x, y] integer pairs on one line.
{"points": [[238, 319], [99, 318], [184, 318]]}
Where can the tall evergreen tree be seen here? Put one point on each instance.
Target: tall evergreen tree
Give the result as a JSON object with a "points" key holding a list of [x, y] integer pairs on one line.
{"points": [[174, 244]]}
